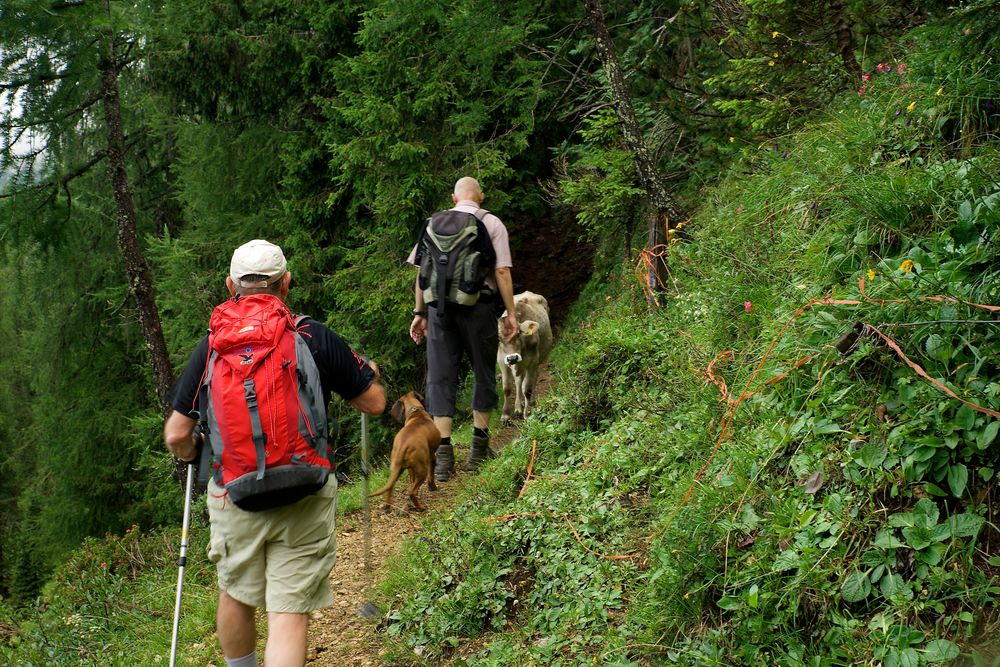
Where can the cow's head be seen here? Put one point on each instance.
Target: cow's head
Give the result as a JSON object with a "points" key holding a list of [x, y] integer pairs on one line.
{"points": [[526, 338]]}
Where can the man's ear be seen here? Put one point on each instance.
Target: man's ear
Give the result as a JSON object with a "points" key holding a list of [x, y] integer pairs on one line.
{"points": [[286, 283], [231, 286]]}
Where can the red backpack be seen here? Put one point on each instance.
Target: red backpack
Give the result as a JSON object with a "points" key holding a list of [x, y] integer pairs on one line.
{"points": [[261, 405]]}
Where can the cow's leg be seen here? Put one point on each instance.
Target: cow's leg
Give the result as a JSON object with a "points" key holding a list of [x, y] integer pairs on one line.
{"points": [[519, 403], [530, 377], [507, 376]]}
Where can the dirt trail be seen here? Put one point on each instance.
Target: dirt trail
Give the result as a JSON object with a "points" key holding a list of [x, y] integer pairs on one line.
{"points": [[338, 636]]}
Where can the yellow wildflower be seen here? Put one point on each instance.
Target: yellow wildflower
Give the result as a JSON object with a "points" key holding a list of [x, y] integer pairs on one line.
{"points": [[906, 266], [732, 139], [939, 90], [776, 54], [912, 106], [805, 62], [871, 275], [774, 34], [770, 63]]}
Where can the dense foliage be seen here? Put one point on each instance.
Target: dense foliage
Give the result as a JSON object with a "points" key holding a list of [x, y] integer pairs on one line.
{"points": [[738, 477], [846, 510]]}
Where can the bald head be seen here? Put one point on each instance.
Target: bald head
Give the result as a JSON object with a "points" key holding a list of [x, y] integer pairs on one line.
{"points": [[467, 188]]}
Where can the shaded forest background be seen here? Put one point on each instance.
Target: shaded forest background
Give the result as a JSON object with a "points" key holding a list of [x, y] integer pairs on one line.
{"points": [[143, 141]]}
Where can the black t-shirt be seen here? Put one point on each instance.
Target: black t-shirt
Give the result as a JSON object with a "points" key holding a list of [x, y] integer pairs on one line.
{"points": [[340, 369]]}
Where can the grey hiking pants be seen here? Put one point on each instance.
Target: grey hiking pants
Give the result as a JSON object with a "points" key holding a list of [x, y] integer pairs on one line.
{"points": [[469, 330]]}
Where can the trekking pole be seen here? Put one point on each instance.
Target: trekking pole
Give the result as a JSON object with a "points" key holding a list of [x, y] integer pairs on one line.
{"points": [[181, 562], [364, 493], [367, 609]]}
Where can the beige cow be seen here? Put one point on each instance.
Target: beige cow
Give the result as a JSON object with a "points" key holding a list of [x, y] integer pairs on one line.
{"points": [[521, 358]]}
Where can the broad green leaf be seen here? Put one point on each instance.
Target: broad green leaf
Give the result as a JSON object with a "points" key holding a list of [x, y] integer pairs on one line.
{"points": [[891, 584], [965, 417], [965, 211], [941, 532], [753, 596], [958, 478], [825, 427], [729, 603], [940, 650], [927, 509], [917, 537], [786, 560], [938, 348], [872, 455], [934, 490], [988, 434], [856, 587], [909, 658], [932, 555], [886, 540], [965, 524]]}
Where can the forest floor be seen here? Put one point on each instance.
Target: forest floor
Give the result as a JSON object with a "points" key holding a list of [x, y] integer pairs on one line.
{"points": [[339, 636]]}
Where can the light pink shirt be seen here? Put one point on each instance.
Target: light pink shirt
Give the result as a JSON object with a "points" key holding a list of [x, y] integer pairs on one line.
{"points": [[498, 236]]}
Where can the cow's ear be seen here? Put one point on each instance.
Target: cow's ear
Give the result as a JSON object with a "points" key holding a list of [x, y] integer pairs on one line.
{"points": [[397, 411], [529, 327]]}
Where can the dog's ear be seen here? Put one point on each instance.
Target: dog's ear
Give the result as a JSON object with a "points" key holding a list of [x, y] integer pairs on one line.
{"points": [[420, 397], [397, 411]]}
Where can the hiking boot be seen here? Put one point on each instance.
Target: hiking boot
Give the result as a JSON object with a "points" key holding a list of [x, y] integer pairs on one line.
{"points": [[445, 466], [480, 452]]}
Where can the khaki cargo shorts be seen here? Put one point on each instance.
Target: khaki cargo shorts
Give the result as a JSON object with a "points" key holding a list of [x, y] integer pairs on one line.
{"points": [[279, 559]]}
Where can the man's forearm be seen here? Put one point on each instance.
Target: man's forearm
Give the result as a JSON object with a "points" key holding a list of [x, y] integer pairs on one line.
{"points": [[505, 284], [418, 296]]}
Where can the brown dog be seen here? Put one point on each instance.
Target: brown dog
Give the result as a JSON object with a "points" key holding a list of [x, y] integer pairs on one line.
{"points": [[414, 449]]}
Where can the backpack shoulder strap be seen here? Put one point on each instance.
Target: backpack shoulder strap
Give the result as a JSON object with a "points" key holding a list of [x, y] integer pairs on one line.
{"points": [[421, 247], [485, 241]]}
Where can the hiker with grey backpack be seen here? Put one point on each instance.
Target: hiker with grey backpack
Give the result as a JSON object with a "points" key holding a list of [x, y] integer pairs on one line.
{"points": [[462, 286], [257, 387]]}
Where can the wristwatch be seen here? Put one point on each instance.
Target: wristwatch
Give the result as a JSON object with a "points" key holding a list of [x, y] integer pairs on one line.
{"points": [[420, 313]]}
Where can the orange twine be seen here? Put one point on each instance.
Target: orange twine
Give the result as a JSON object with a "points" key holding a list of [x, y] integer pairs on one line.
{"points": [[644, 268]]}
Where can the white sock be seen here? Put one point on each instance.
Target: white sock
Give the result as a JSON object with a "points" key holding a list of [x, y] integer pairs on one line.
{"points": [[245, 661]]}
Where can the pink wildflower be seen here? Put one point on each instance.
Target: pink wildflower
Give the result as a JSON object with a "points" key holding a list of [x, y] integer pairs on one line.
{"points": [[747, 305], [882, 67], [863, 89], [900, 68], [866, 77], [739, 209]]}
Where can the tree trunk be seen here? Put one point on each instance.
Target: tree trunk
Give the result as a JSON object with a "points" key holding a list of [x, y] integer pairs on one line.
{"points": [[845, 44], [667, 213], [139, 282]]}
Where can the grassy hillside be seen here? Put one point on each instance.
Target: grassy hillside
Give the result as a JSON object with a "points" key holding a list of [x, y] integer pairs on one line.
{"points": [[758, 471], [728, 479]]}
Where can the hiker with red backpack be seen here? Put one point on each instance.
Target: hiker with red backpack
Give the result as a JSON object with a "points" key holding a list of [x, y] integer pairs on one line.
{"points": [[256, 387], [462, 286]]}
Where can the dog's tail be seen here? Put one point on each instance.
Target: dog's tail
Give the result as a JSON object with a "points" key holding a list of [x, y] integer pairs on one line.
{"points": [[394, 472]]}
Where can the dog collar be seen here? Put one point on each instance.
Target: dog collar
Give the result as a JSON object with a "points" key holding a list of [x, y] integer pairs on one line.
{"points": [[411, 411]]}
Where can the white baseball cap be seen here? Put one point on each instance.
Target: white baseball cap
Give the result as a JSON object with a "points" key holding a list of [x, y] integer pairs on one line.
{"points": [[257, 258]]}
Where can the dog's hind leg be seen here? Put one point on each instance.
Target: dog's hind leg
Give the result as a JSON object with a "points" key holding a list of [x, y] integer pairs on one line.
{"points": [[418, 473], [394, 473], [431, 484]]}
